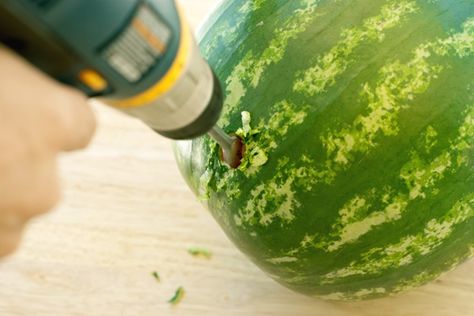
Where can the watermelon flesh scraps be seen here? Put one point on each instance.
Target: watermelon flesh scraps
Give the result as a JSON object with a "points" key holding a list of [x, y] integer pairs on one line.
{"points": [[358, 121]]}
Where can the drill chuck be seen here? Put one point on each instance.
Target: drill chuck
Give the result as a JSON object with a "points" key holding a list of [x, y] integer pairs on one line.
{"points": [[204, 121]]}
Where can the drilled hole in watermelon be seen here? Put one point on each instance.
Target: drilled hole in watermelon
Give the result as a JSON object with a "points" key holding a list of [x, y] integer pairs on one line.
{"points": [[233, 157]]}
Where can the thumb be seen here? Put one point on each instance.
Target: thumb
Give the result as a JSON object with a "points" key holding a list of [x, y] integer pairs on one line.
{"points": [[76, 118], [60, 112]]}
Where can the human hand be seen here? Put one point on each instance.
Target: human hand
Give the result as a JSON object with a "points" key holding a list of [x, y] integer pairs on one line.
{"points": [[39, 118]]}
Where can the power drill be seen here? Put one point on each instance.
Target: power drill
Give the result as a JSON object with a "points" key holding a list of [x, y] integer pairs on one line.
{"points": [[138, 56]]}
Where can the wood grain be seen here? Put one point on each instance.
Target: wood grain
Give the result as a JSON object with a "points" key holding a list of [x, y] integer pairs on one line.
{"points": [[126, 212]]}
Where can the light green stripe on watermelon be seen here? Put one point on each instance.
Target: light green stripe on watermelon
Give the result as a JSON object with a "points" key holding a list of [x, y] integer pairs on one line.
{"points": [[252, 67], [418, 175], [460, 44], [398, 85], [402, 286], [403, 253], [424, 277], [430, 139], [275, 199], [251, 6], [267, 135], [276, 50], [350, 231], [332, 64], [282, 260], [353, 296], [465, 141], [228, 32], [416, 280], [277, 195]]}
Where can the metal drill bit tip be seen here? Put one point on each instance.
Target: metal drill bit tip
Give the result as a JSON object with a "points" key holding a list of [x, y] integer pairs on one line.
{"points": [[222, 138], [232, 147]]}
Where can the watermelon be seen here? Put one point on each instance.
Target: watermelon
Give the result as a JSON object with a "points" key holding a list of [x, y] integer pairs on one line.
{"points": [[358, 120]]}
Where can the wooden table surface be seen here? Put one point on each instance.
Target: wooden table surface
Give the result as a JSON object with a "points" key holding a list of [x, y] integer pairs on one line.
{"points": [[126, 212]]}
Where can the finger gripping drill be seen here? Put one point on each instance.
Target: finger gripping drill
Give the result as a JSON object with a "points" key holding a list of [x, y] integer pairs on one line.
{"points": [[138, 56]]}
